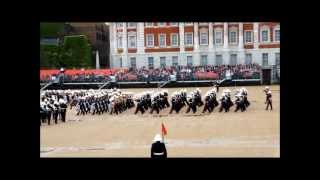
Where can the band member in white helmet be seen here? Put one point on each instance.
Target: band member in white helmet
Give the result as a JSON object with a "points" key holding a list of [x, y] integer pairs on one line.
{"points": [[158, 148]]}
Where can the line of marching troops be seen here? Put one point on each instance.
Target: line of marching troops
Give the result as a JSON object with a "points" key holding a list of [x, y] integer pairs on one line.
{"points": [[53, 103]]}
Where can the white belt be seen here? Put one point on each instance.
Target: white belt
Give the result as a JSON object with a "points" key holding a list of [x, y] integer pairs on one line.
{"points": [[158, 153]]}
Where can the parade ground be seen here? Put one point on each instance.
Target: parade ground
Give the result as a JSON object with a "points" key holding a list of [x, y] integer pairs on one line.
{"points": [[253, 133]]}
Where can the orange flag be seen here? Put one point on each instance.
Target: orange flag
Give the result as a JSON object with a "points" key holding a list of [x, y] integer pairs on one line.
{"points": [[163, 129]]}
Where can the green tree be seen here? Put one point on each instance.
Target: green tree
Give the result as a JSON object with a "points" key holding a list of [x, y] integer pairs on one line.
{"points": [[52, 29], [78, 51]]}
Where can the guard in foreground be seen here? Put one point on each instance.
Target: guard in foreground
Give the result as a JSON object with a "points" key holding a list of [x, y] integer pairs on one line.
{"points": [[158, 148]]}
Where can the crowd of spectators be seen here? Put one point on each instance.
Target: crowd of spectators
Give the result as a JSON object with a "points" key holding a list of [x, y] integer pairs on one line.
{"points": [[182, 73]]}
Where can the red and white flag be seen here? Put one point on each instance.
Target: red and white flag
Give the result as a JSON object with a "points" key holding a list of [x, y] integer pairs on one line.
{"points": [[163, 129]]}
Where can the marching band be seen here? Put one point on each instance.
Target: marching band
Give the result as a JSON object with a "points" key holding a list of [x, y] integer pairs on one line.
{"points": [[54, 103]]}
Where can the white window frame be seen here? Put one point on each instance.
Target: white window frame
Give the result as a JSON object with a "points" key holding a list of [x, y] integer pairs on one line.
{"points": [[165, 61], [245, 37], [185, 39], [246, 60], [204, 32], [177, 60], [274, 33], [147, 42], [149, 62], [135, 41], [159, 39], [161, 25], [215, 36], [276, 60], [188, 23], [233, 30], [265, 28], [130, 25], [174, 24], [149, 24], [201, 60], [171, 39], [216, 58], [191, 61], [135, 59], [119, 42], [236, 59], [263, 59]]}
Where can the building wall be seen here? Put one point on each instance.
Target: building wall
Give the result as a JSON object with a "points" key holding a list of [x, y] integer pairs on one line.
{"points": [[240, 48], [91, 30]]}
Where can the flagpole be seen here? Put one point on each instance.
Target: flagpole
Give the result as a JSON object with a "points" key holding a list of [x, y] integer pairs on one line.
{"points": [[162, 131]]}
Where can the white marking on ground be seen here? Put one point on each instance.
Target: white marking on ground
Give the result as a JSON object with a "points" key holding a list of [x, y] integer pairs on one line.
{"points": [[238, 142]]}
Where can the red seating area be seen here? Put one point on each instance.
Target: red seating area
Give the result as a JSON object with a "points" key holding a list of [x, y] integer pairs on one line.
{"points": [[106, 72], [206, 76]]}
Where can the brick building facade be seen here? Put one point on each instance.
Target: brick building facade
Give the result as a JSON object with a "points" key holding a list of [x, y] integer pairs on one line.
{"points": [[98, 35], [155, 44]]}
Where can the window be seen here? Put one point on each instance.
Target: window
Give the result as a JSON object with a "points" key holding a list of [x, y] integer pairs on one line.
{"points": [[188, 39], [162, 40], [188, 23], [149, 40], [174, 39], [264, 59], [232, 37], [204, 38], [132, 25], [132, 42], [248, 37], [174, 24], [248, 59], [277, 35], [265, 35], [218, 37], [174, 60], [162, 24], [204, 60], [149, 24], [120, 60], [150, 62], [119, 25], [189, 60], [233, 59], [119, 41], [278, 59], [162, 62], [133, 62], [219, 60]]}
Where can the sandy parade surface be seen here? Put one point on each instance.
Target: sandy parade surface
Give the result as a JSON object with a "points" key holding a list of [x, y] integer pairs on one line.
{"points": [[253, 133]]}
